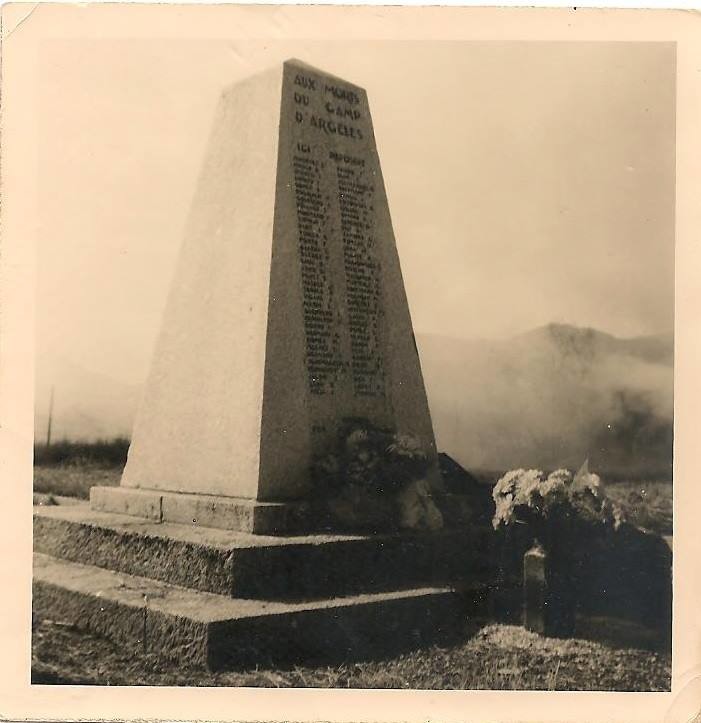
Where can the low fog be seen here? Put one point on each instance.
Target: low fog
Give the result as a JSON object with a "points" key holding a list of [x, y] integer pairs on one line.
{"points": [[553, 397], [547, 398]]}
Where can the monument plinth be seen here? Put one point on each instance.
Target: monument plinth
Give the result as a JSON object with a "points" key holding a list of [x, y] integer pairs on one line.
{"points": [[287, 316], [285, 376]]}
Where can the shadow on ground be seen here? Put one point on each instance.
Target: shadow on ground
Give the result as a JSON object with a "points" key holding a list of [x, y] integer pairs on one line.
{"points": [[479, 655]]}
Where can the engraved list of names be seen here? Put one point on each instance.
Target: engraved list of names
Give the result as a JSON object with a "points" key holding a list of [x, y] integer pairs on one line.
{"points": [[334, 194]]}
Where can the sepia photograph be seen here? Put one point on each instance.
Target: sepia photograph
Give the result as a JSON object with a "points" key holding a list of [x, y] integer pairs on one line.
{"points": [[354, 362]]}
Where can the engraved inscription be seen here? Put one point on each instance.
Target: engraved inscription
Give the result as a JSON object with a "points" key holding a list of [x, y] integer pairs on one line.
{"points": [[322, 337], [335, 196], [363, 274], [339, 113]]}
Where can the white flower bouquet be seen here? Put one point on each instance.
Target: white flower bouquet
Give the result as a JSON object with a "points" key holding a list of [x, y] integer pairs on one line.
{"points": [[530, 497]]}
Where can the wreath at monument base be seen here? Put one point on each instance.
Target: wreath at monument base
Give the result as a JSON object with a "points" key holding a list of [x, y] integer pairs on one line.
{"points": [[375, 480]]}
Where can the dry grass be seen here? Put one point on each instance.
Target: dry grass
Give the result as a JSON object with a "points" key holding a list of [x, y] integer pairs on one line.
{"points": [[496, 657], [73, 480], [102, 452], [646, 504]]}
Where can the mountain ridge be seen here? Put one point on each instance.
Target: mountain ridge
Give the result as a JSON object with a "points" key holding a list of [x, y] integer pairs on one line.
{"points": [[552, 396]]}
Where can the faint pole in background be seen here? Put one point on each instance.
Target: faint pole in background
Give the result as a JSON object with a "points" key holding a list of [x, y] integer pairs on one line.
{"points": [[51, 411]]}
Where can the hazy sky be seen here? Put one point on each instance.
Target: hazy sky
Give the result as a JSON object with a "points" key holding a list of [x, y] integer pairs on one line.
{"points": [[527, 182]]}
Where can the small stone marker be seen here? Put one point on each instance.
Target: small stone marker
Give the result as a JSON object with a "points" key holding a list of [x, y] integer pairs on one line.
{"points": [[287, 316], [535, 590]]}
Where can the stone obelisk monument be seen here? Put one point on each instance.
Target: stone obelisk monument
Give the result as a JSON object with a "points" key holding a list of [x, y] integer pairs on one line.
{"points": [[288, 313], [287, 318]]}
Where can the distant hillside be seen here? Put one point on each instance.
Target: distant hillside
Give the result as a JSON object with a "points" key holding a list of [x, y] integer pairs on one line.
{"points": [[551, 397]]}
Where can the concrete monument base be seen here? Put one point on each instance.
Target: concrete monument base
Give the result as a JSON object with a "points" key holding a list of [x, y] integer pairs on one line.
{"points": [[214, 596], [226, 513], [215, 631]]}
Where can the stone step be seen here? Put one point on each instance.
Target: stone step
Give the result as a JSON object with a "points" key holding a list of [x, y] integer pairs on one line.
{"points": [[204, 629], [256, 566], [227, 513], [239, 514]]}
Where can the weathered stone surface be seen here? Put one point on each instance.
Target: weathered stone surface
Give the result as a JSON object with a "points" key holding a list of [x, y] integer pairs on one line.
{"points": [[124, 608], [226, 513], [205, 629], [267, 518], [257, 566], [535, 591], [288, 314], [146, 504]]}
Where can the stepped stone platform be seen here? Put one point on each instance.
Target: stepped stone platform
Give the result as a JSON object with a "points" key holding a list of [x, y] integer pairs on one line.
{"points": [[218, 597], [216, 631]]}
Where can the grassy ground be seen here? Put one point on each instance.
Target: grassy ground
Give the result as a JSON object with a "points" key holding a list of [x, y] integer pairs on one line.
{"points": [[492, 656], [103, 452], [74, 480], [646, 504]]}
